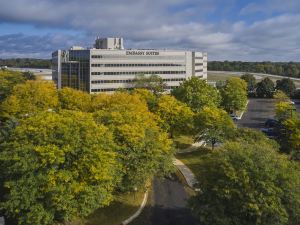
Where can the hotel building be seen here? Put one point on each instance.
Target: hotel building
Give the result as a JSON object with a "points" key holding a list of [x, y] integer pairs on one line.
{"points": [[108, 66]]}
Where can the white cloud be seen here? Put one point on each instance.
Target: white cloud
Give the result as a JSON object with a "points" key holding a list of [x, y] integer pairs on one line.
{"points": [[176, 24]]}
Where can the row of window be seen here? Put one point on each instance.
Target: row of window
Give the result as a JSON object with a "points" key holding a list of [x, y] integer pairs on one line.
{"points": [[197, 71], [198, 64], [138, 72], [134, 65], [137, 57], [131, 81], [114, 89]]}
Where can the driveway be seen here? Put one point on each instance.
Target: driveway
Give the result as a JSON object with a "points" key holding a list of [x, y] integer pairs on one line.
{"points": [[167, 205]]}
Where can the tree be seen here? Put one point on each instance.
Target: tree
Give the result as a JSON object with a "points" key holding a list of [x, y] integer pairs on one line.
{"points": [[144, 150], [8, 80], [213, 125], [265, 88], [72, 99], [280, 96], [234, 94], [57, 166], [251, 81], [153, 83], [29, 98], [285, 110], [247, 184], [196, 93], [286, 85], [29, 75], [148, 96], [176, 116]]}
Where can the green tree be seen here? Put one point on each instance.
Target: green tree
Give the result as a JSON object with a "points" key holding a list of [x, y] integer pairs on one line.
{"points": [[286, 85], [247, 184], [234, 94], [196, 93], [148, 96], [29, 75], [285, 110], [29, 98], [265, 88], [8, 79], [177, 117], [57, 166], [144, 150], [72, 99], [213, 125], [153, 83], [280, 96], [251, 81]]}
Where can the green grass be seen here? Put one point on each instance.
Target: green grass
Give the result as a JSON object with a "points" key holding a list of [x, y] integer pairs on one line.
{"points": [[183, 141], [122, 208], [193, 160]]}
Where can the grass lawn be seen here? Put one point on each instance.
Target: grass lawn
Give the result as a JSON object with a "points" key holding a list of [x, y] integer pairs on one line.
{"points": [[183, 141], [193, 159], [122, 208]]}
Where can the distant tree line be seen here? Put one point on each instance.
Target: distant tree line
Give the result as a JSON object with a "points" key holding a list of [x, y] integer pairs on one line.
{"points": [[290, 69], [26, 63]]}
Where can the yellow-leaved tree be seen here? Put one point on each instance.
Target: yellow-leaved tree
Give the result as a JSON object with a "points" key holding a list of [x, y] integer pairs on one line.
{"points": [[29, 98], [143, 148]]}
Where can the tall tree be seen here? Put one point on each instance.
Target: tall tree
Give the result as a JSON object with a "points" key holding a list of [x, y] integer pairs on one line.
{"points": [[153, 83], [247, 184], [196, 93], [8, 79], [251, 81], [213, 125], [234, 94], [177, 117], [143, 148], [265, 88], [29, 98], [280, 96], [57, 166], [286, 85], [72, 99]]}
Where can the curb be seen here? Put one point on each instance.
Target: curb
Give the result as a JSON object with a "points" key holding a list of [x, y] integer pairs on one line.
{"points": [[186, 172], [240, 117], [138, 212]]}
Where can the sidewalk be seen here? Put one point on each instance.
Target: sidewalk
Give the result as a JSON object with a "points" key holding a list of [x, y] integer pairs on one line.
{"points": [[186, 172]]}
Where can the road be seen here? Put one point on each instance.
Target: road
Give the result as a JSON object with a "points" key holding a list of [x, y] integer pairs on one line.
{"points": [[166, 205], [255, 74], [46, 74]]}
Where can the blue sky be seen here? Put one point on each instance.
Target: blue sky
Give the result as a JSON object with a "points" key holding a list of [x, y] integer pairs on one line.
{"points": [[265, 30]]}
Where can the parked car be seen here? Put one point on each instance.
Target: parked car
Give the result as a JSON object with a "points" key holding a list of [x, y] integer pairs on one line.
{"points": [[272, 123], [234, 117]]}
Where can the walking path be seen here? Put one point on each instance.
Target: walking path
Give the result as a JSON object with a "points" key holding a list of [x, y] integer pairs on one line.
{"points": [[138, 212], [186, 172]]}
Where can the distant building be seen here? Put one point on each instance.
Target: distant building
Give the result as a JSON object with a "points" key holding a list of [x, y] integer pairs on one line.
{"points": [[108, 66]]}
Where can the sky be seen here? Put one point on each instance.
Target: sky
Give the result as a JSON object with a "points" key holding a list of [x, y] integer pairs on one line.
{"points": [[258, 30]]}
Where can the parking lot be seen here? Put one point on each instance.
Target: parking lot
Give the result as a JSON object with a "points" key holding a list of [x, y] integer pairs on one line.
{"points": [[258, 111]]}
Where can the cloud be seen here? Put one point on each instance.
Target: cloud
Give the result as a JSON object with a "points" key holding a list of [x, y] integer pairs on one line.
{"points": [[271, 6], [173, 24], [20, 45]]}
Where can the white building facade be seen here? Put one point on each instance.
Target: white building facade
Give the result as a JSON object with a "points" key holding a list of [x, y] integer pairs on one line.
{"points": [[110, 67]]}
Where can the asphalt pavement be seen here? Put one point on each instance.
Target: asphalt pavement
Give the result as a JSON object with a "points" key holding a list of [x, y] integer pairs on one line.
{"points": [[167, 205], [258, 111]]}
